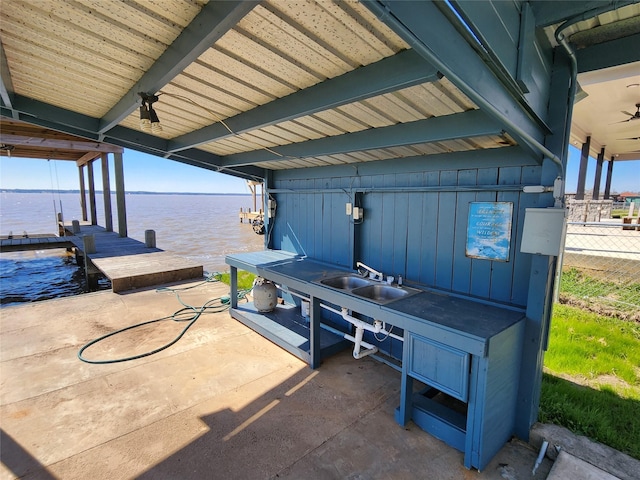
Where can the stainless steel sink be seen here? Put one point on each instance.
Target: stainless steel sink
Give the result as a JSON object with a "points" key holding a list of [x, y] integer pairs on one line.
{"points": [[354, 284], [381, 293], [345, 282]]}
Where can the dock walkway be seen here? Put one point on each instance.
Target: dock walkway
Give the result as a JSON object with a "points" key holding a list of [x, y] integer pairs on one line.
{"points": [[126, 262], [19, 243]]}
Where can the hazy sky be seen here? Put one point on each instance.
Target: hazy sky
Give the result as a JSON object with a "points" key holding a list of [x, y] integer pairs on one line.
{"points": [[144, 172]]}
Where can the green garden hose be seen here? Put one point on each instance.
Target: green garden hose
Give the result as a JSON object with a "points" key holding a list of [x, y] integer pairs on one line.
{"points": [[188, 313]]}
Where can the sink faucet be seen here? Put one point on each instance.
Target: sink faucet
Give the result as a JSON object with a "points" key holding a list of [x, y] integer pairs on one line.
{"points": [[374, 274]]}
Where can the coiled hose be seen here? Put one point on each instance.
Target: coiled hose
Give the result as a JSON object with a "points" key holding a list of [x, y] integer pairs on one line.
{"points": [[188, 313]]}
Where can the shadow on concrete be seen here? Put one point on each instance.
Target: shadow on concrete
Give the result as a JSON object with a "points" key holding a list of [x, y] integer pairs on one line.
{"points": [[289, 424], [19, 461]]}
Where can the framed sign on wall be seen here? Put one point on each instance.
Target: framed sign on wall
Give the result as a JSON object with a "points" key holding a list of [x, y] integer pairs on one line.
{"points": [[489, 230]]}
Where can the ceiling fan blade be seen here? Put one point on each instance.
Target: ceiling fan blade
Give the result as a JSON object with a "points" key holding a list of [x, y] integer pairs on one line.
{"points": [[627, 113], [622, 121], [630, 138]]}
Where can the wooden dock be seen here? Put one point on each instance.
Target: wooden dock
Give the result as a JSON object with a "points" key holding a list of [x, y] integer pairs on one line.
{"points": [[126, 262], [249, 216], [18, 243]]}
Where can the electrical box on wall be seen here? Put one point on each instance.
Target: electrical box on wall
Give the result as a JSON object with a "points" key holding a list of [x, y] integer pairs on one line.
{"points": [[543, 231], [358, 213]]}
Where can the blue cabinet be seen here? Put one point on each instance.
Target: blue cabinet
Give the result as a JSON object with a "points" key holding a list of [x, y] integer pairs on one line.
{"points": [[469, 400], [440, 366]]}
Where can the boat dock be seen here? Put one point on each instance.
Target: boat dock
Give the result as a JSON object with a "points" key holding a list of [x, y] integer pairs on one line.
{"points": [[126, 262], [39, 241], [248, 216], [253, 215]]}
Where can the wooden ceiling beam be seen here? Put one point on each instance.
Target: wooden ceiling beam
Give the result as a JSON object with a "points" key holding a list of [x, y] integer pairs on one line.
{"points": [[87, 157], [50, 143]]}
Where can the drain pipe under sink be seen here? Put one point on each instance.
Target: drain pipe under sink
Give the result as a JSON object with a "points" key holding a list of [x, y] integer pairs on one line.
{"points": [[361, 326], [358, 343]]}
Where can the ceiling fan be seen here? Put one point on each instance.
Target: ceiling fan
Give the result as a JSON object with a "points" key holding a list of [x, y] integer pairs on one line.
{"points": [[632, 116]]}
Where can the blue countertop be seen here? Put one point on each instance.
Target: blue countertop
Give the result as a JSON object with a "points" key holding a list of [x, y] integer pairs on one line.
{"points": [[462, 323]]}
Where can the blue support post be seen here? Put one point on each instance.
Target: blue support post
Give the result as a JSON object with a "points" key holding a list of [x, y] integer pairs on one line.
{"points": [[233, 280], [582, 173], [403, 413], [596, 181], [542, 269], [315, 313], [607, 188]]}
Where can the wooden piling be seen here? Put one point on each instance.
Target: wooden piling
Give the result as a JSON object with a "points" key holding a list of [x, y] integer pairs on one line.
{"points": [[150, 238]]}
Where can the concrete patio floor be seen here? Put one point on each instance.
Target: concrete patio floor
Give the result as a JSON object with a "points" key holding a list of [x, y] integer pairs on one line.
{"points": [[221, 403]]}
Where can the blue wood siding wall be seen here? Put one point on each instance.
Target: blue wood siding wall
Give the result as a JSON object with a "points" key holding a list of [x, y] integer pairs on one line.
{"points": [[408, 229], [313, 222], [422, 235]]}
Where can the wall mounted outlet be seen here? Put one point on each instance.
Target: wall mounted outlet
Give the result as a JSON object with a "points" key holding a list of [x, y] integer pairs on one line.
{"points": [[349, 208], [358, 212]]}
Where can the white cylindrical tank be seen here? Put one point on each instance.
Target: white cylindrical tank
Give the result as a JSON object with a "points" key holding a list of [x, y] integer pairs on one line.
{"points": [[265, 294]]}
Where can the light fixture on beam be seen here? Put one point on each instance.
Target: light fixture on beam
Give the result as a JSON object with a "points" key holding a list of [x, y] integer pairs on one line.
{"points": [[145, 118], [149, 121]]}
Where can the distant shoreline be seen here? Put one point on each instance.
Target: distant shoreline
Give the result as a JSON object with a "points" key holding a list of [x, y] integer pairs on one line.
{"points": [[41, 190]]}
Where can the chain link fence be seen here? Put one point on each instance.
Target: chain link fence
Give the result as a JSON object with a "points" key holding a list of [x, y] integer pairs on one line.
{"points": [[601, 267]]}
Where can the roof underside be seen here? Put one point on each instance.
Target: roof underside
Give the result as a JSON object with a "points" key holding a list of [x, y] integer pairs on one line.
{"points": [[248, 86]]}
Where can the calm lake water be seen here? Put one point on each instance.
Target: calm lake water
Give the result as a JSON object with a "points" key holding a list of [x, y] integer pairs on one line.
{"points": [[202, 228]]}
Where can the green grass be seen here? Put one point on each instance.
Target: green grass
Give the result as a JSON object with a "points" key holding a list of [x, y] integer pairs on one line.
{"points": [[601, 415], [245, 279], [592, 380], [583, 343], [621, 296], [575, 282], [622, 212]]}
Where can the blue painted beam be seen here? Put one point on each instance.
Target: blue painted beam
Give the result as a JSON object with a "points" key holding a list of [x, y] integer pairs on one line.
{"points": [[496, 30], [136, 140], [6, 85], [460, 125], [47, 115], [213, 21], [609, 54], [143, 142], [482, 159], [402, 70], [431, 34], [39, 113], [246, 173]]}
